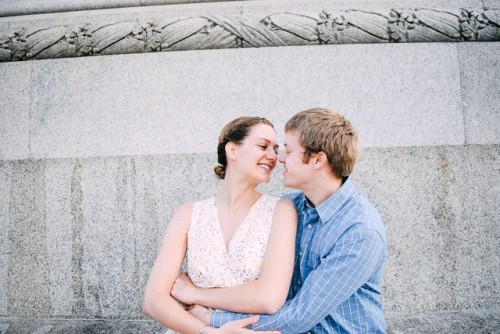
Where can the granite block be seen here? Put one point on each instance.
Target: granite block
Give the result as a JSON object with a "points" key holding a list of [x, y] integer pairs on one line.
{"points": [[144, 104], [442, 234], [400, 183], [5, 171], [85, 232], [4, 278], [58, 220], [15, 109], [480, 71], [477, 230], [5, 182]]}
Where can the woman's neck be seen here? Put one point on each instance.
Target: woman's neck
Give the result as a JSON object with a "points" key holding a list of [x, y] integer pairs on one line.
{"points": [[236, 194]]}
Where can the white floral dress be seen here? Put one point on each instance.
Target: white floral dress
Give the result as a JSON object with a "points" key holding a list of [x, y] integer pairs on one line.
{"points": [[210, 263]]}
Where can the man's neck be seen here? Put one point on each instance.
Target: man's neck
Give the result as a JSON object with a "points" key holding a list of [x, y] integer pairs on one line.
{"points": [[318, 192]]}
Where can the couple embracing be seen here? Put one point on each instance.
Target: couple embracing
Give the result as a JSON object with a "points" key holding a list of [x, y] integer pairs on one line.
{"points": [[310, 262]]}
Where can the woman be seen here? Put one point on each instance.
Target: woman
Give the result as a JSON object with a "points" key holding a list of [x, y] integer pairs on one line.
{"points": [[237, 236]]}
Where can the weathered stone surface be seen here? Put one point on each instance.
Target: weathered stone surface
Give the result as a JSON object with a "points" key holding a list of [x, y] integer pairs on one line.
{"points": [[443, 236], [15, 82], [58, 326], [397, 95], [83, 233], [478, 322], [481, 91]]}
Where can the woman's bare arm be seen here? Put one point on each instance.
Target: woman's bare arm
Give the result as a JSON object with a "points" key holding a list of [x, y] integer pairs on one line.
{"points": [[158, 303]]}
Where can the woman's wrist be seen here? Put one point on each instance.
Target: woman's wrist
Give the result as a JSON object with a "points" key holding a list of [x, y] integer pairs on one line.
{"points": [[194, 299]]}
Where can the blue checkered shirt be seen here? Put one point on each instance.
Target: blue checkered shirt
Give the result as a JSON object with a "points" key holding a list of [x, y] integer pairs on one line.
{"points": [[340, 251]]}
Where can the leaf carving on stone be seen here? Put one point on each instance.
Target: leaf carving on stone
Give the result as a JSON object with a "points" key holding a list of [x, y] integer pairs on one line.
{"points": [[483, 26], [120, 37], [49, 43], [293, 28], [213, 31], [365, 27], [441, 25], [5, 52]]}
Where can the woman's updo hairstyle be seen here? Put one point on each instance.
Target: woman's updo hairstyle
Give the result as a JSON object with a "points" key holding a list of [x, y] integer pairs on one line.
{"points": [[235, 132]]}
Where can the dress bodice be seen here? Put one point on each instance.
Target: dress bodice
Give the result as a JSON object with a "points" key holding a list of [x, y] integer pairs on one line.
{"points": [[210, 262]]}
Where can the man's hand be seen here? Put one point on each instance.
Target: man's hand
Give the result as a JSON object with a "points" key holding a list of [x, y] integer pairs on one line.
{"points": [[239, 327], [184, 290], [232, 327]]}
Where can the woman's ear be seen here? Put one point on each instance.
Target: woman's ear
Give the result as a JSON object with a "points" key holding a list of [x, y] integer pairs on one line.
{"points": [[231, 150]]}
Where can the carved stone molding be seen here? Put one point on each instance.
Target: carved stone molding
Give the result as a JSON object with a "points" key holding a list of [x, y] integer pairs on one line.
{"points": [[234, 30]]}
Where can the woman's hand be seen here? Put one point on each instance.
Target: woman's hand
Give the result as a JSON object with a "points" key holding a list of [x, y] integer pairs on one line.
{"points": [[184, 290]]}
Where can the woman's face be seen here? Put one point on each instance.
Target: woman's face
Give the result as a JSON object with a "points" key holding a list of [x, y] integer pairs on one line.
{"points": [[257, 153]]}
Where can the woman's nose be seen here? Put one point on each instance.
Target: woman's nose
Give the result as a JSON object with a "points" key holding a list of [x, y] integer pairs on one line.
{"points": [[272, 155]]}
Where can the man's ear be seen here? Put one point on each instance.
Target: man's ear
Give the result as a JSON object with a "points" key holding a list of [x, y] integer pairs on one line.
{"points": [[319, 159], [231, 150]]}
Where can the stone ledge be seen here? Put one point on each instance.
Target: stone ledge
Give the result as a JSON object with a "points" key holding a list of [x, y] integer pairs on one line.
{"points": [[473, 321], [29, 7], [238, 24], [468, 321], [70, 326]]}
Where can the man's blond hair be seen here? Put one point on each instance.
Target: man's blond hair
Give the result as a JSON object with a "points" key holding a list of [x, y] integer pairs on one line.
{"points": [[322, 130]]}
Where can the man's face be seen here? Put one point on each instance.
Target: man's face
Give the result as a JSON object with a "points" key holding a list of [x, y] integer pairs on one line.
{"points": [[296, 173]]}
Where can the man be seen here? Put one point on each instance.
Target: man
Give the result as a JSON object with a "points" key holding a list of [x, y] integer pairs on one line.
{"points": [[341, 244]]}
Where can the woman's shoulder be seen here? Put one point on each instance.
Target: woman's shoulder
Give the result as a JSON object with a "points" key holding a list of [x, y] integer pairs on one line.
{"points": [[184, 210], [279, 203]]}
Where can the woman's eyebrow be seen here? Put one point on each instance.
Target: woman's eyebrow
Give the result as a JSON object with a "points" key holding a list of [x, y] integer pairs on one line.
{"points": [[268, 141]]}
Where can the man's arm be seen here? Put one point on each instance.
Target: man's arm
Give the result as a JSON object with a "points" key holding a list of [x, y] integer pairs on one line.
{"points": [[353, 259]]}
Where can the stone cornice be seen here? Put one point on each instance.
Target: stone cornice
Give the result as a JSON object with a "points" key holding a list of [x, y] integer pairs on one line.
{"points": [[168, 29]]}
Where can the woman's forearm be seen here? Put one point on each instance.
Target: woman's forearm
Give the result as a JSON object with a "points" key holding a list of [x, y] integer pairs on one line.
{"points": [[251, 297]]}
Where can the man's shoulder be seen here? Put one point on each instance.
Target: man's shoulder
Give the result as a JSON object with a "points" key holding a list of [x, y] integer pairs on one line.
{"points": [[296, 197]]}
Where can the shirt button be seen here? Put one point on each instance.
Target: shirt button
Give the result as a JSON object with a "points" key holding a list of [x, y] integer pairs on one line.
{"points": [[300, 253], [309, 226], [298, 283]]}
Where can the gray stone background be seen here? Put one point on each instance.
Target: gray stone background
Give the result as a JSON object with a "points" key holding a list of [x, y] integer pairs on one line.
{"points": [[97, 152]]}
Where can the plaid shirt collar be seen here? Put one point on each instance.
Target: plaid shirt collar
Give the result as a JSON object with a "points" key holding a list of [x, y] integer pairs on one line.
{"points": [[328, 208]]}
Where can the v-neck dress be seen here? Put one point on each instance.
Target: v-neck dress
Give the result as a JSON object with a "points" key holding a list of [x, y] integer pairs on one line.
{"points": [[210, 263]]}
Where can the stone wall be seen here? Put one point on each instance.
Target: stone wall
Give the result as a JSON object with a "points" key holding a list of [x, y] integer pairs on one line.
{"points": [[97, 149]]}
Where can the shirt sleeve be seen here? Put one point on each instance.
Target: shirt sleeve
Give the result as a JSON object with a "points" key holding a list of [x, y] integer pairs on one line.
{"points": [[349, 265]]}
